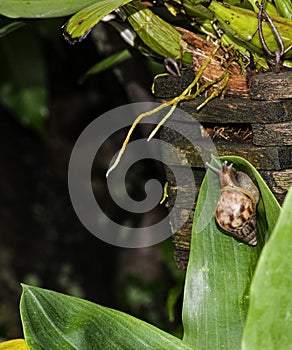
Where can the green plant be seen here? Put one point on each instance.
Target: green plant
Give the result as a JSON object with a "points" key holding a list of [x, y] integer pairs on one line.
{"points": [[232, 297], [150, 30], [235, 296]]}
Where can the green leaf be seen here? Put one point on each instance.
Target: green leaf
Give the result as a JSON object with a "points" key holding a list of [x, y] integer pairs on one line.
{"points": [[233, 20], [220, 270], [158, 35], [195, 9], [172, 299], [7, 26], [41, 8], [269, 320], [269, 7], [23, 89], [55, 321], [17, 344], [284, 7], [81, 24], [109, 62]]}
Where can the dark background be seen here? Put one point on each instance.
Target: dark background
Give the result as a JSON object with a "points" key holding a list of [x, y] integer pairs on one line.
{"points": [[42, 241]]}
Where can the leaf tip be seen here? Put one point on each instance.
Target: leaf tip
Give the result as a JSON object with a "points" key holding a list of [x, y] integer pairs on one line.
{"points": [[68, 34]]}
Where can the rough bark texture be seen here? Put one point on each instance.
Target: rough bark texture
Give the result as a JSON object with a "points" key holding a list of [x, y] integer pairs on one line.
{"points": [[258, 129]]}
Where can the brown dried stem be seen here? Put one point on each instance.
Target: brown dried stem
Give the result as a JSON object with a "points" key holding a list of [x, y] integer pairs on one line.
{"points": [[278, 53]]}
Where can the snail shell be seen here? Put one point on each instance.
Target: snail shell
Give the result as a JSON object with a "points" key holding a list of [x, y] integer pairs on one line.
{"points": [[236, 207]]}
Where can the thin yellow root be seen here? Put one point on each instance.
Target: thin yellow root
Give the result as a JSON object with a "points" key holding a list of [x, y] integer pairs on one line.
{"points": [[168, 115], [165, 194], [174, 102], [215, 92], [130, 132]]}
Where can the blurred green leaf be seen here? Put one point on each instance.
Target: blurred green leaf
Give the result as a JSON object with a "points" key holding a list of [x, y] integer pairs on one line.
{"points": [[78, 26], [55, 321], [41, 8], [109, 62], [23, 89], [7, 26], [172, 299], [220, 270], [269, 320]]}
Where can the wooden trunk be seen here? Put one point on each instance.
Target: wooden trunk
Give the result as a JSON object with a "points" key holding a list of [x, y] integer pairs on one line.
{"points": [[258, 129]]}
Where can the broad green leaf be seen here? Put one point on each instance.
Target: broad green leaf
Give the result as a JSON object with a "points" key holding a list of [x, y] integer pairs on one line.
{"points": [[80, 25], [23, 89], [269, 321], [41, 8], [55, 321], [109, 62], [233, 20], [17, 344], [158, 35], [220, 270]]}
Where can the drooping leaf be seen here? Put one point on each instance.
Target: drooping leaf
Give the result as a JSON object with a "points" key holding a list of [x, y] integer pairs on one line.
{"points": [[55, 321], [7, 26], [109, 62], [220, 271], [41, 8], [269, 320], [23, 89], [172, 299], [81, 24], [17, 344]]}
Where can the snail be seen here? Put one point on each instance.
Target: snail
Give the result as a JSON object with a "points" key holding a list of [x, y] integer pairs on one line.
{"points": [[236, 207]]}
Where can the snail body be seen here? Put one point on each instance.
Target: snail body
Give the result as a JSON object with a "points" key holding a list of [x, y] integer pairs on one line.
{"points": [[236, 207]]}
